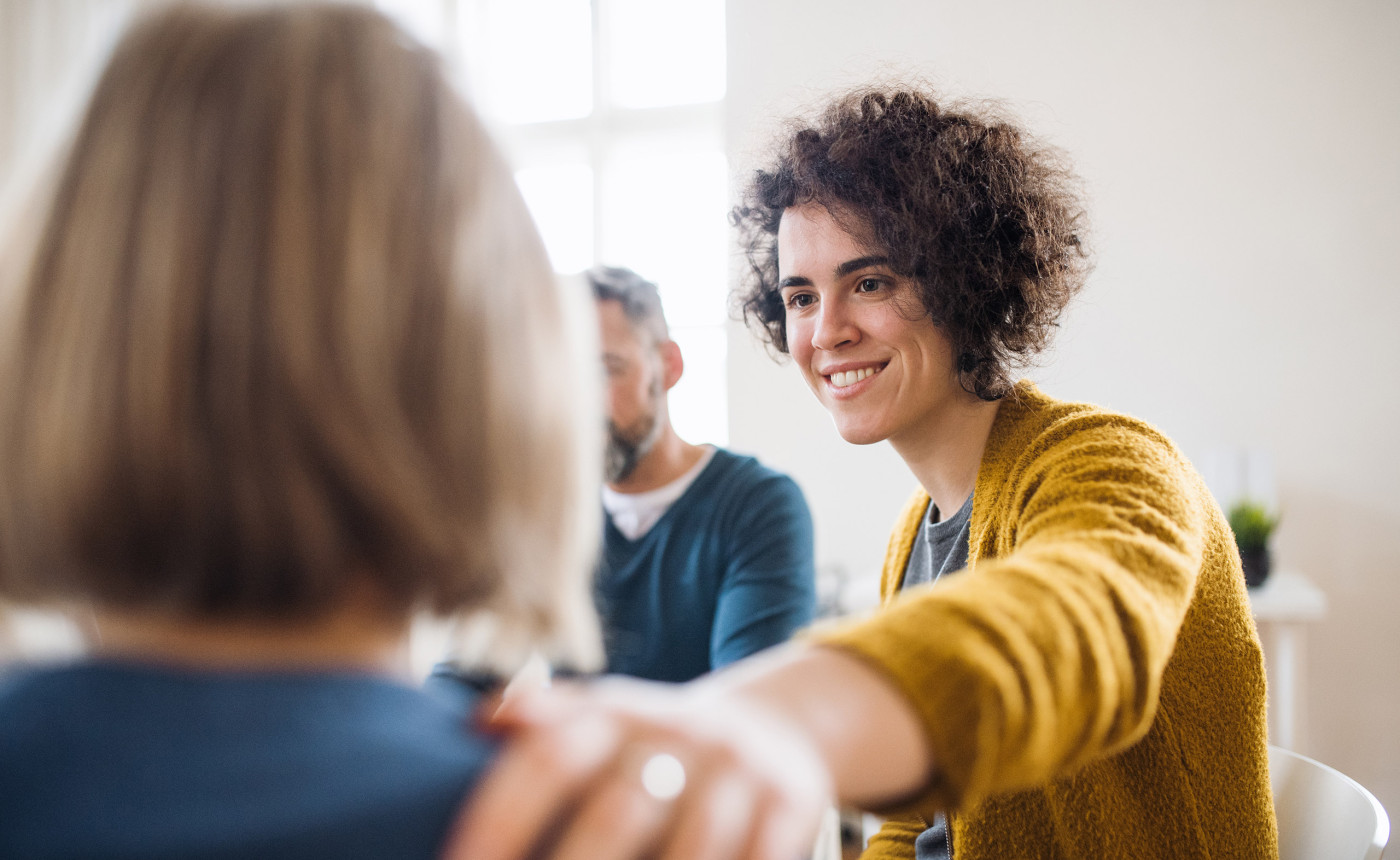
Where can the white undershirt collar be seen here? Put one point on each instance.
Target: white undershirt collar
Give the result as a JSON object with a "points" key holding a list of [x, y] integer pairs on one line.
{"points": [[634, 514]]}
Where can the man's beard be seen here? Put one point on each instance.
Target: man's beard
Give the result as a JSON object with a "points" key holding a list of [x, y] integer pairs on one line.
{"points": [[627, 446]]}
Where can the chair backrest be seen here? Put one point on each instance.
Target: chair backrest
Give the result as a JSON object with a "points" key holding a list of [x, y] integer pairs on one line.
{"points": [[1322, 812]]}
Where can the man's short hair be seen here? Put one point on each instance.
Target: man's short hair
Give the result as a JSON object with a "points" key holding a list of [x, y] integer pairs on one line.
{"points": [[640, 298]]}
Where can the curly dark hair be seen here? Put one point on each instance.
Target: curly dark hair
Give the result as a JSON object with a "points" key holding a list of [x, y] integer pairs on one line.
{"points": [[986, 221]]}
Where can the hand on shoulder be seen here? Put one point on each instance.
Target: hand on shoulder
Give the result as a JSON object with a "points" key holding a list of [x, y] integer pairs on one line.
{"points": [[617, 769]]}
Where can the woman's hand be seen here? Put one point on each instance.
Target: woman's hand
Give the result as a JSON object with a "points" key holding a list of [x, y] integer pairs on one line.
{"points": [[618, 769]]}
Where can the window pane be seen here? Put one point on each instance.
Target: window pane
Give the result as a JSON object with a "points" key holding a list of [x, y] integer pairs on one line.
{"points": [[560, 197], [665, 215], [697, 403], [664, 53], [534, 59]]}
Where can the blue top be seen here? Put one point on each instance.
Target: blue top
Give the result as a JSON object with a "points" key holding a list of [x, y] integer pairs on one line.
{"points": [[725, 572], [117, 760]]}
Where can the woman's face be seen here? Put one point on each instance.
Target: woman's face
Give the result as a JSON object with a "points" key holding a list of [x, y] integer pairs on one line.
{"points": [[860, 334]]}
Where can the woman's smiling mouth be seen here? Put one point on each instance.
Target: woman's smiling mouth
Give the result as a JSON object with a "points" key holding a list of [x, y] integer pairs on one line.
{"points": [[847, 378]]}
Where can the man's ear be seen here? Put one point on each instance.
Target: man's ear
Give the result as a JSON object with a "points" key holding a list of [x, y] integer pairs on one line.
{"points": [[672, 365]]}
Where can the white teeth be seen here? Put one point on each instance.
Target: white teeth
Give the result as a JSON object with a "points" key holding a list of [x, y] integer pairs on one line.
{"points": [[850, 377]]}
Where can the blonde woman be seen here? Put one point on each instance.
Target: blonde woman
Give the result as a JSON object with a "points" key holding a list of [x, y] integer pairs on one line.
{"points": [[284, 364]]}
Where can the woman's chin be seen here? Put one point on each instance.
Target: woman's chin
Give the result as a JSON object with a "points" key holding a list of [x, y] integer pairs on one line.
{"points": [[860, 434]]}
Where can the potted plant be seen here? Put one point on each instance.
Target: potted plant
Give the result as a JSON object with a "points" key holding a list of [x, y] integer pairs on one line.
{"points": [[1252, 524]]}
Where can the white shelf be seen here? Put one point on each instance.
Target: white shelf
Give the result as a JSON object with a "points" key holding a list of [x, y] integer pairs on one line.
{"points": [[1287, 595], [1283, 607]]}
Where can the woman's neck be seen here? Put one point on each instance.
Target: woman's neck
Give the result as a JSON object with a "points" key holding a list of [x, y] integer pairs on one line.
{"points": [[356, 636], [945, 456]]}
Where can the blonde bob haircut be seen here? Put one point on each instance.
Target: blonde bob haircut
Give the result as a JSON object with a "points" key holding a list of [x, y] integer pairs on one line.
{"points": [[284, 327]]}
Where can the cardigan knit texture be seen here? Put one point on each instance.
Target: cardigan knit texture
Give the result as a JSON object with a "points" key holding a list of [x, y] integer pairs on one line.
{"points": [[1093, 685]]}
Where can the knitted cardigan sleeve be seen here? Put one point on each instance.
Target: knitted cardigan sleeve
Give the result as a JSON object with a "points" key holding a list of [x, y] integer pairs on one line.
{"points": [[1087, 537]]}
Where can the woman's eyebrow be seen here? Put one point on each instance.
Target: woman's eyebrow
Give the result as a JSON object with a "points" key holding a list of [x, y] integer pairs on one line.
{"points": [[861, 263], [841, 271]]}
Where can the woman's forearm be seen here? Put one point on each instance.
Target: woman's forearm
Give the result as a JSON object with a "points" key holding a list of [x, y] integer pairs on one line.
{"points": [[863, 726], [762, 746]]}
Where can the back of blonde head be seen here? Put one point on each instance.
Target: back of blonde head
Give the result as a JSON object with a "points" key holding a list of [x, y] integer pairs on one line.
{"points": [[287, 326]]}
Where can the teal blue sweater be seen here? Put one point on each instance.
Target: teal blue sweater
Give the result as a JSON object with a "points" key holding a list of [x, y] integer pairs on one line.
{"points": [[119, 760], [727, 571]]}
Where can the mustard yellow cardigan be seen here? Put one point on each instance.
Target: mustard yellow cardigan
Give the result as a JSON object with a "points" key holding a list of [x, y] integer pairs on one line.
{"points": [[1092, 686]]}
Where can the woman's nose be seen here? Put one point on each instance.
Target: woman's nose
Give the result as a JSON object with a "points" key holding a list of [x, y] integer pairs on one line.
{"points": [[834, 329]]}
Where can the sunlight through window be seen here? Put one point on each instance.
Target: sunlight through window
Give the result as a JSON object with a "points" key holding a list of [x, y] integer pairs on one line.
{"points": [[612, 114], [560, 198]]}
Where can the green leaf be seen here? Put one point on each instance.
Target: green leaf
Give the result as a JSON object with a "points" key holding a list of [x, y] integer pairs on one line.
{"points": [[1252, 524]]}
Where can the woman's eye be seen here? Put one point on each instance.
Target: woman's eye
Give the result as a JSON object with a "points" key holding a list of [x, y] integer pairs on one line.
{"points": [[799, 300], [869, 285]]}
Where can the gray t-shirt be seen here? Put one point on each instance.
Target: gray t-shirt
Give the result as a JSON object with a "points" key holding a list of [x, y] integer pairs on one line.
{"points": [[940, 547]]}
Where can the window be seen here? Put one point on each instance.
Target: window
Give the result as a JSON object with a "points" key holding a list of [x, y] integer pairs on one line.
{"points": [[612, 113]]}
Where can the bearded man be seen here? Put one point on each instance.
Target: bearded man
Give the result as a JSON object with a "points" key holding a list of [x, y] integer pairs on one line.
{"points": [[707, 555]]}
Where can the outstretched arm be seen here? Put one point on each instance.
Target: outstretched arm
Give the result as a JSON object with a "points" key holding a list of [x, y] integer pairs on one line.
{"points": [[765, 745]]}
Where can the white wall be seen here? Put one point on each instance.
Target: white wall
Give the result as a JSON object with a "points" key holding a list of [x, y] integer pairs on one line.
{"points": [[1243, 164]]}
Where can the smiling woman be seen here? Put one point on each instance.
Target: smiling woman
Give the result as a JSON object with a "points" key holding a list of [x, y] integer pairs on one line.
{"points": [[855, 330], [983, 223], [1065, 664]]}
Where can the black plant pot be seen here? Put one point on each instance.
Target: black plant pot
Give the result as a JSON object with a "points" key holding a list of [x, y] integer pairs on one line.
{"points": [[1256, 565]]}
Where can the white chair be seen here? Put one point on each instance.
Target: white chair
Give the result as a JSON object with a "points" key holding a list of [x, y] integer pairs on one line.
{"points": [[828, 845], [1322, 812]]}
